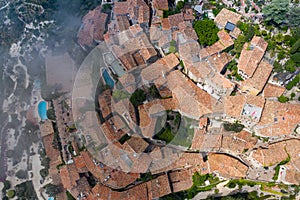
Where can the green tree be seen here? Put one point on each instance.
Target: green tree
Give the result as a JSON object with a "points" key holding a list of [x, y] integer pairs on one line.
{"points": [[238, 44], [51, 114], [283, 99], [52, 190], [290, 66], [276, 12], [206, 31], [292, 95], [296, 57], [294, 17], [180, 5], [295, 47], [138, 97]]}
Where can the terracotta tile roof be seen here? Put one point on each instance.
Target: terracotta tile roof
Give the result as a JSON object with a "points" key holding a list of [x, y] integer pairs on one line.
{"points": [[51, 152], [234, 105], [121, 7], [271, 156], [188, 30], [139, 192], [100, 192], [292, 176], [125, 109], [238, 142], [206, 142], [170, 60], [179, 161], [166, 25], [142, 164], [227, 166], [154, 72], [88, 161], [138, 58], [119, 123], [165, 39], [293, 149], [176, 19], [93, 27], [181, 180], [198, 139], [272, 90], [251, 55], [110, 133], [122, 22], [160, 186], [135, 30], [69, 176], [235, 33], [159, 105], [137, 143], [161, 4], [278, 119], [128, 82], [225, 16], [188, 14], [104, 100], [31, 115], [256, 83], [80, 164], [46, 128], [120, 179], [144, 14], [125, 46], [218, 61], [225, 38], [155, 33], [55, 176], [215, 48], [156, 154], [184, 90]]}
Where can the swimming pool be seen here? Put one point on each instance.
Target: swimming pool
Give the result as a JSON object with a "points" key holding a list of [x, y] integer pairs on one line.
{"points": [[42, 109], [109, 81]]}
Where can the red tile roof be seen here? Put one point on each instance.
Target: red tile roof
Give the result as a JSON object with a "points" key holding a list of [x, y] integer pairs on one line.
{"points": [[251, 55], [161, 4], [93, 27]]}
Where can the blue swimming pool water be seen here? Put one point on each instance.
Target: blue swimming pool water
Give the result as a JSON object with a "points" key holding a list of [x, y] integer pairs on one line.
{"points": [[42, 109], [109, 81]]}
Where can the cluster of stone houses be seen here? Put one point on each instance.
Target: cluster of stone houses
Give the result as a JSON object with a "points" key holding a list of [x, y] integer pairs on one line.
{"points": [[192, 82]]}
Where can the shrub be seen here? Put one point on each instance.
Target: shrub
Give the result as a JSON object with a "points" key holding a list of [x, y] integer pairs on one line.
{"points": [[293, 82], [172, 49], [293, 95], [44, 173], [283, 99], [281, 55], [10, 194], [236, 127], [231, 185]]}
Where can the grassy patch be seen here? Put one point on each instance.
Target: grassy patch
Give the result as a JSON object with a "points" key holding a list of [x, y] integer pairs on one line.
{"points": [[277, 168]]}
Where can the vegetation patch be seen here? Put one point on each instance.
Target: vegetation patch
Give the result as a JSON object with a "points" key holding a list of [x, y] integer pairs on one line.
{"points": [[206, 31], [277, 168], [236, 126]]}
